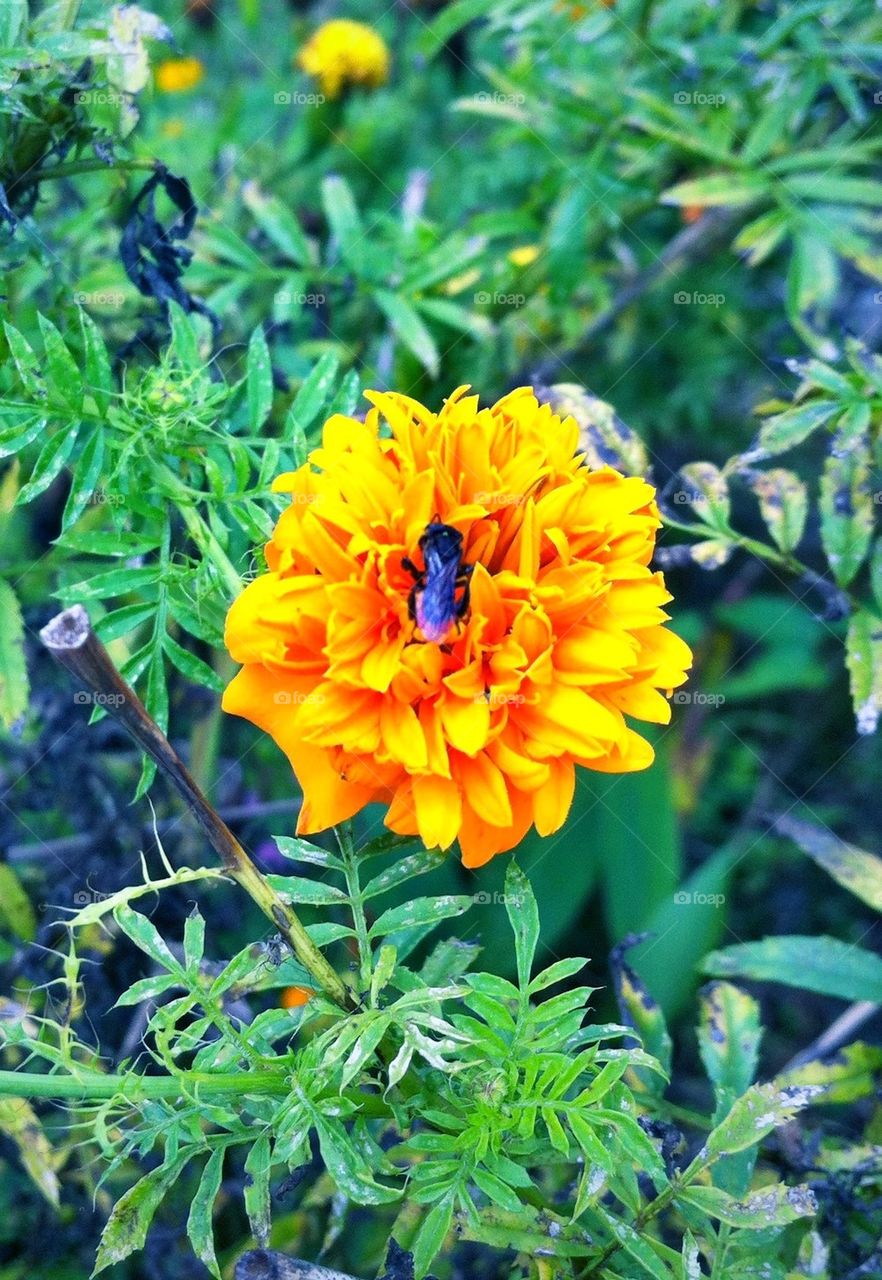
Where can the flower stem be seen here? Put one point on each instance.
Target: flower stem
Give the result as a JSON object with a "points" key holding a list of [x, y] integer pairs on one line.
{"points": [[346, 843], [75, 167], [70, 639]]}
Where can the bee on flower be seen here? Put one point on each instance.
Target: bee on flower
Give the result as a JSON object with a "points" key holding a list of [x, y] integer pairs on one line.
{"points": [[179, 75], [341, 54], [457, 614]]}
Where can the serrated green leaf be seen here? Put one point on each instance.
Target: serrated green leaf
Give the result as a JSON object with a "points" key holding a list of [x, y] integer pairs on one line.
{"points": [[853, 868], [49, 465], [127, 1226], [783, 500], [823, 964], [424, 911], [257, 1189], [863, 658], [64, 384], [258, 380], [86, 474], [847, 513], [200, 1229]]}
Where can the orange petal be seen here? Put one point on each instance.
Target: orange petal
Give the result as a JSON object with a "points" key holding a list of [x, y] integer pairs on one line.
{"points": [[438, 810]]}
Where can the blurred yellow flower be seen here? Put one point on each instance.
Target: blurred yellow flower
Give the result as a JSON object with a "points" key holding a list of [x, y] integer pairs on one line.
{"points": [[179, 75], [343, 53], [457, 612], [173, 128], [524, 255]]}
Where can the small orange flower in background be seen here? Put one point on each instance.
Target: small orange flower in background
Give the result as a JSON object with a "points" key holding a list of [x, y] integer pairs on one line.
{"points": [[295, 997], [692, 212], [471, 728], [179, 75], [343, 53]]}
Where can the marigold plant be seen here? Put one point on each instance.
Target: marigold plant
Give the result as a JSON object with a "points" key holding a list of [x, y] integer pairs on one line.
{"points": [[342, 53], [470, 730]]}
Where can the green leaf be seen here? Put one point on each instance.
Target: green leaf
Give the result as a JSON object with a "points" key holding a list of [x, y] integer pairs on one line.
{"points": [[99, 375], [855, 870], [86, 474], [863, 658], [64, 384], [835, 188], [403, 869], [632, 1243], [20, 1123], [783, 500], [16, 911], [13, 20], [13, 669], [431, 1235], [259, 380], [786, 430], [707, 492], [451, 19], [821, 964], [300, 890], [850, 1073], [200, 1229], [49, 464], [146, 936], [756, 1113], [639, 1010], [278, 224], [728, 1038], [731, 189], [191, 667], [524, 919], [773, 1206], [407, 324], [424, 911], [27, 365], [127, 1226], [314, 393], [346, 226], [847, 513], [257, 1189]]}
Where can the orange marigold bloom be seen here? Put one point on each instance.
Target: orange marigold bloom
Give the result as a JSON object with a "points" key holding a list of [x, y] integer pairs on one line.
{"points": [[296, 997], [474, 735]]}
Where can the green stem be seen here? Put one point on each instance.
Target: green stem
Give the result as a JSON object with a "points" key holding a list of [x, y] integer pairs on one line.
{"points": [[346, 843], [75, 167], [135, 1088]]}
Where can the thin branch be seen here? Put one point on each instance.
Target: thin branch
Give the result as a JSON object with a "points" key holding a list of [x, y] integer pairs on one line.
{"points": [[69, 638], [689, 245], [268, 1264]]}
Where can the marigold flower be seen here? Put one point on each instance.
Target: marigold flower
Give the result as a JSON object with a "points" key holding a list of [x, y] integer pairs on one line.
{"points": [[179, 75], [470, 729], [342, 53]]}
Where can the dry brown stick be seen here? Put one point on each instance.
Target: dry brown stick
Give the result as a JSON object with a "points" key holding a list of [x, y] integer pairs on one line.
{"points": [[69, 638]]}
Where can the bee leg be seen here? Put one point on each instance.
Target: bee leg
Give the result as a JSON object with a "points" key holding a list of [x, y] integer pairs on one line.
{"points": [[408, 564], [466, 584], [411, 602]]}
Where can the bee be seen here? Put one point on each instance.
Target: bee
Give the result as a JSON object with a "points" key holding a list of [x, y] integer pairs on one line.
{"points": [[434, 603]]}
